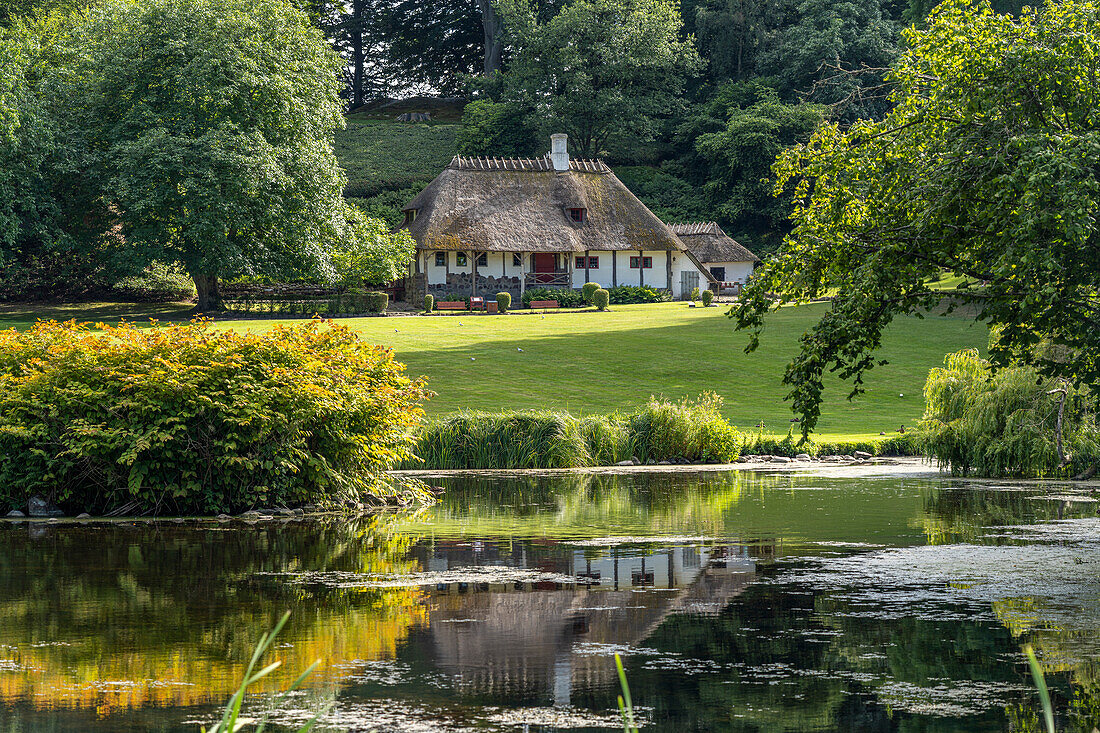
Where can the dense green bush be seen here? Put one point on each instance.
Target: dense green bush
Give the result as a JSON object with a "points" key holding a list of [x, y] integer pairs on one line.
{"points": [[387, 205], [658, 431], [1004, 423], [625, 294], [429, 303], [496, 129], [189, 419], [376, 302], [371, 254], [587, 290], [707, 297], [600, 299], [565, 298], [452, 297], [157, 282], [504, 302]]}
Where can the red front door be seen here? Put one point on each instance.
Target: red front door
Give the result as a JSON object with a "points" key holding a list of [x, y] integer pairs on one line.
{"points": [[543, 265]]}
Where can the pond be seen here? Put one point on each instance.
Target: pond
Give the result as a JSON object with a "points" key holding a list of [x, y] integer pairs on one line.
{"points": [[740, 601]]}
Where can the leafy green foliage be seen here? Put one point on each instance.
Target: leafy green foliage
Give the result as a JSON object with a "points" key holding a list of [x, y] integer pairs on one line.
{"points": [[371, 254], [752, 128], [707, 296], [599, 68], [800, 47], [504, 302], [587, 290], [659, 430], [211, 126], [52, 226], [668, 194], [386, 205], [824, 39], [1004, 423], [985, 168], [566, 298], [191, 419], [626, 294], [157, 282], [600, 299], [429, 303], [496, 129]]}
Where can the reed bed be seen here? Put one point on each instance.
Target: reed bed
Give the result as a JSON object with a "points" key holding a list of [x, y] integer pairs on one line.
{"points": [[660, 430]]}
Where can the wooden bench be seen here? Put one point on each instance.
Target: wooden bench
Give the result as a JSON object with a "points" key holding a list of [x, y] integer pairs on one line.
{"points": [[451, 305], [544, 304]]}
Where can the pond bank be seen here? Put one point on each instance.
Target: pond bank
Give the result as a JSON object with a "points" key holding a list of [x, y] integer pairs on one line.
{"points": [[778, 464]]}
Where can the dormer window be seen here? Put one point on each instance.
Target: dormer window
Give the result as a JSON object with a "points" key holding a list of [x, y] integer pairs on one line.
{"points": [[410, 215], [578, 216]]}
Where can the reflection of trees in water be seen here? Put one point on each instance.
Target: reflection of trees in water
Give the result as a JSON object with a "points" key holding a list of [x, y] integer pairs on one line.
{"points": [[153, 615], [766, 636], [585, 505], [1067, 655], [963, 514]]}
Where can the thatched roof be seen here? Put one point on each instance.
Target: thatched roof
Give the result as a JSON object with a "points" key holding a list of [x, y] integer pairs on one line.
{"points": [[522, 205], [709, 243]]}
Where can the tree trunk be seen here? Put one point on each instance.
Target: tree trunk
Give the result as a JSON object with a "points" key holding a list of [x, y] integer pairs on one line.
{"points": [[491, 24], [1062, 458], [357, 59], [210, 294]]}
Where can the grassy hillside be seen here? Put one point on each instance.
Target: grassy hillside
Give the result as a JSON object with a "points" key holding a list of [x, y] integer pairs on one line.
{"points": [[386, 156], [591, 362]]}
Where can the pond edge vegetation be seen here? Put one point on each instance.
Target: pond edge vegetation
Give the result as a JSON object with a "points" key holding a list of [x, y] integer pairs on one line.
{"points": [[189, 419], [658, 431]]}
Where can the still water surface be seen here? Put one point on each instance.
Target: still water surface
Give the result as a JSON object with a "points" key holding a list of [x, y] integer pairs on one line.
{"points": [[740, 602]]}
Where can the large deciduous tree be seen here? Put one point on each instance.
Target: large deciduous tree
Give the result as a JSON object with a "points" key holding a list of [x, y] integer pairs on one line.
{"points": [[987, 167], [735, 141], [211, 121], [598, 68], [53, 238]]}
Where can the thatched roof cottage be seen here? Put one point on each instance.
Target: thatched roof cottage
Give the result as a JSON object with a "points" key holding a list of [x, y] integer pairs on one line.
{"points": [[726, 260], [490, 224]]}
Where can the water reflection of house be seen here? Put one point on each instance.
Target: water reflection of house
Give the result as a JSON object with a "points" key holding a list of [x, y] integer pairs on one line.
{"points": [[537, 644]]}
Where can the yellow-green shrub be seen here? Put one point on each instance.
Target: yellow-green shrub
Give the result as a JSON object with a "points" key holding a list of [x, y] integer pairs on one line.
{"points": [[187, 418]]}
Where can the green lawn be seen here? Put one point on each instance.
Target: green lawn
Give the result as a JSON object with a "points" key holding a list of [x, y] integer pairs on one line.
{"points": [[591, 362]]}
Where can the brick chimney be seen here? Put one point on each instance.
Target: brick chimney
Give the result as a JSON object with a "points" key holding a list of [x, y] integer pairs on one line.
{"points": [[559, 151]]}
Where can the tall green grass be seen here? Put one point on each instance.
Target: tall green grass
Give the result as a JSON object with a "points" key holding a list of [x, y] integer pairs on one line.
{"points": [[659, 430], [762, 443]]}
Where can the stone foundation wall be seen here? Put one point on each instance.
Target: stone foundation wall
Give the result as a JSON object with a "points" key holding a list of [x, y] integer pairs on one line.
{"points": [[416, 287], [462, 283]]}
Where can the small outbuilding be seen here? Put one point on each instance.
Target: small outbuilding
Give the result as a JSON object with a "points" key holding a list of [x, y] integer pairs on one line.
{"points": [[486, 225], [727, 261]]}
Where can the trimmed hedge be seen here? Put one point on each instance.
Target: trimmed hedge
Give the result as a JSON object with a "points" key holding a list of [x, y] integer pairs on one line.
{"points": [[189, 419], [504, 302], [429, 303], [600, 299], [375, 302], [588, 290]]}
